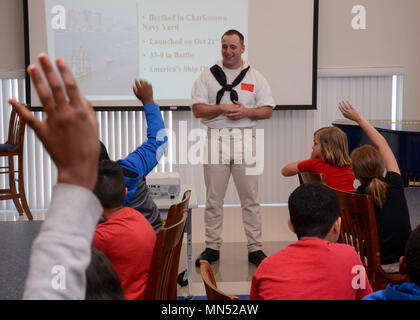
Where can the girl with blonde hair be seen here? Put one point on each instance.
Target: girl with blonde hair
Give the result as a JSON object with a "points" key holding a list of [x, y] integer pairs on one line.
{"points": [[329, 156], [391, 210]]}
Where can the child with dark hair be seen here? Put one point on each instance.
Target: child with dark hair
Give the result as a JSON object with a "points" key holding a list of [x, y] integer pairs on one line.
{"points": [[330, 156], [126, 237], [410, 263], [102, 282], [315, 267], [391, 210]]}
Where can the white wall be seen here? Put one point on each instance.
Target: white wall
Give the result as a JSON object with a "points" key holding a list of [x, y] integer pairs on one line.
{"points": [[391, 39]]}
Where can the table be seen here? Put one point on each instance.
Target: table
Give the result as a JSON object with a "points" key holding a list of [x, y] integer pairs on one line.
{"points": [[16, 239], [164, 205]]}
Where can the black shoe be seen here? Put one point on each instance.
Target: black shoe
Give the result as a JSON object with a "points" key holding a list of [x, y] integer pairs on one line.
{"points": [[210, 255], [256, 257]]}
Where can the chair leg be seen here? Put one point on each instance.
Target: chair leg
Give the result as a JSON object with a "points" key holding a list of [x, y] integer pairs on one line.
{"points": [[12, 185], [16, 200], [22, 189]]}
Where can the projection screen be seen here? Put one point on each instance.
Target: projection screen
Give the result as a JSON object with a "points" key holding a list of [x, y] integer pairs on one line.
{"points": [[110, 43]]}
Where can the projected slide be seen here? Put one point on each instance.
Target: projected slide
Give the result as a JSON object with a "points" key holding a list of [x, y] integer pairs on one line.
{"points": [[181, 41], [110, 43]]}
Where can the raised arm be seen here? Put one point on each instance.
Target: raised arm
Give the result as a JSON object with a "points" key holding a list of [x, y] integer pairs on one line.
{"points": [[70, 135], [146, 157], [377, 139], [259, 113]]}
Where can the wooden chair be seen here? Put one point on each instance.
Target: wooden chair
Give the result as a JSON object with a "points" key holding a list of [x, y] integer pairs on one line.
{"points": [[164, 260], [305, 177], [359, 229], [212, 292], [11, 148], [176, 210], [175, 215]]}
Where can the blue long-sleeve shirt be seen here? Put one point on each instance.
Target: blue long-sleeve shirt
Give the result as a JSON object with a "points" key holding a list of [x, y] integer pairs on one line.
{"points": [[140, 162]]}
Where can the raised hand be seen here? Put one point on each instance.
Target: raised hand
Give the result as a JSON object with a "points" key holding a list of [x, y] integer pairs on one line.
{"points": [[70, 130], [143, 91], [349, 111]]}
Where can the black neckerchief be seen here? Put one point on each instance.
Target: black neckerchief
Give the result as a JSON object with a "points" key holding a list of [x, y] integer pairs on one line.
{"points": [[221, 78]]}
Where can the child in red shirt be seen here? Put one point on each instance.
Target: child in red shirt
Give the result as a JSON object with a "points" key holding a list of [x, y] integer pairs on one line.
{"points": [[126, 237], [329, 156], [315, 267]]}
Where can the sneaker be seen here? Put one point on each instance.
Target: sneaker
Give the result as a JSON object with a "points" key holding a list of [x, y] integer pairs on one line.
{"points": [[256, 257], [210, 255]]}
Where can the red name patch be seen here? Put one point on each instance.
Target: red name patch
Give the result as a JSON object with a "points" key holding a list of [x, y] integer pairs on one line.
{"points": [[247, 86]]}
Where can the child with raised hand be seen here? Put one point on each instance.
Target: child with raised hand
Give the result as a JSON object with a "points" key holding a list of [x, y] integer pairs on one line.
{"points": [[369, 164], [70, 135], [329, 156]]}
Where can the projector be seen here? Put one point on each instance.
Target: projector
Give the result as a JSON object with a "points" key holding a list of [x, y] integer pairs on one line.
{"points": [[164, 185]]}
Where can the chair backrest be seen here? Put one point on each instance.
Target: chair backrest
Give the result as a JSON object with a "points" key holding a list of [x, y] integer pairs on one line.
{"points": [[212, 292], [306, 176], [359, 229], [16, 130], [176, 210], [174, 216], [165, 258]]}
